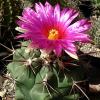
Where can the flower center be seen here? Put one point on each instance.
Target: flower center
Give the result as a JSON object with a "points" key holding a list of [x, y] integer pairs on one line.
{"points": [[53, 34]]}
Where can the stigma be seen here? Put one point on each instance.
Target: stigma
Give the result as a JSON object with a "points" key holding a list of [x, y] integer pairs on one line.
{"points": [[53, 34]]}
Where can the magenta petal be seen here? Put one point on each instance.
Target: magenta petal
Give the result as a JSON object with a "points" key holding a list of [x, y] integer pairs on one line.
{"points": [[27, 26], [72, 54], [38, 8], [58, 50], [27, 11], [29, 14], [63, 12], [48, 9], [70, 49], [82, 37], [71, 19], [57, 12], [65, 17], [69, 46], [30, 17], [79, 26]]}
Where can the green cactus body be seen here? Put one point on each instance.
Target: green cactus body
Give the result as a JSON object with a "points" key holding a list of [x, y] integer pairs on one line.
{"points": [[38, 79]]}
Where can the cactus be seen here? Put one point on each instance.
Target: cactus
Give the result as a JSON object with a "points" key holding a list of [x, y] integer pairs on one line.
{"points": [[38, 77]]}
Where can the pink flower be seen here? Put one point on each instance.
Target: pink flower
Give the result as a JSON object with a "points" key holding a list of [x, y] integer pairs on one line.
{"points": [[50, 28]]}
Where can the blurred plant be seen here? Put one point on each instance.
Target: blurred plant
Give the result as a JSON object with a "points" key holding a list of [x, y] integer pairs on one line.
{"points": [[95, 32], [96, 5], [96, 2], [86, 7]]}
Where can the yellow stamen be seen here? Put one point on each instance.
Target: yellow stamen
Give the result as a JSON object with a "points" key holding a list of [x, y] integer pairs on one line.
{"points": [[53, 34]]}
